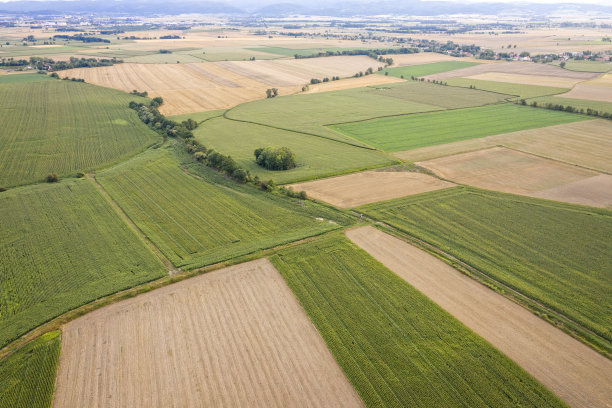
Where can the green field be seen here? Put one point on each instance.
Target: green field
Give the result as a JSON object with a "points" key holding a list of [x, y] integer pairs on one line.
{"points": [[586, 66], [213, 54], [518, 90], [312, 112], [62, 246], [27, 377], [557, 254], [197, 116], [396, 346], [316, 157], [426, 69], [196, 222], [64, 127], [23, 78], [577, 103], [429, 129], [157, 58]]}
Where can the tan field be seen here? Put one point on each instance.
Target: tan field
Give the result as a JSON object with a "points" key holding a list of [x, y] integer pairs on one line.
{"points": [[576, 373], [556, 81], [510, 171], [599, 89], [594, 191], [234, 337], [587, 144], [349, 83], [521, 68], [429, 58], [367, 187]]}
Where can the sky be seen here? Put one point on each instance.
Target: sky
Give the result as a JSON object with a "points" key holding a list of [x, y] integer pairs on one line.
{"points": [[600, 2]]}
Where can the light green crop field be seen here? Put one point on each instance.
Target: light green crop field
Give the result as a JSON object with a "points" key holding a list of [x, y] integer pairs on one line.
{"points": [[557, 254], [396, 346], [426, 69], [312, 112], [408, 132], [196, 222], [23, 78], [316, 157], [62, 127], [197, 116], [518, 90], [213, 54], [586, 66], [62, 246], [27, 377], [577, 103], [171, 58]]}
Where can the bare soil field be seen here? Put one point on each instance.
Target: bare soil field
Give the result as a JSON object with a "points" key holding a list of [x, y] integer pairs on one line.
{"points": [[233, 337], [594, 191], [522, 68], [349, 83], [576, 373], [510, 171], [367, 187], [554, 81], [586, 143]]}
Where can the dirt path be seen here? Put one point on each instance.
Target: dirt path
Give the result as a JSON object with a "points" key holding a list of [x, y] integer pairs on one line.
{"points": [[577, 374], [233, 337]]}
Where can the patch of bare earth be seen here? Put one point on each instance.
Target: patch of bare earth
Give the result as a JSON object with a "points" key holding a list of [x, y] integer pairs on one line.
{"points": [[577, 374], [367, 187], [233, 337]]}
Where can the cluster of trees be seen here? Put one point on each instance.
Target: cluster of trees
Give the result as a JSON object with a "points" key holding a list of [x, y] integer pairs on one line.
{"points": [[144, 94], [271, 93], [149, 114], [275, 158], [42, 63], [372, 53], [569, 108], [360, 73], [80, 37], [170, 37]]}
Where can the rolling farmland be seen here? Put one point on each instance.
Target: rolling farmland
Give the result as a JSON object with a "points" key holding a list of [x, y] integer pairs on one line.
{"points": [[408, 132], [27, 377], [196, 222], [63, 246], [425, 69], [64, 127], [554, 253], [519, 90], [396, 346]]}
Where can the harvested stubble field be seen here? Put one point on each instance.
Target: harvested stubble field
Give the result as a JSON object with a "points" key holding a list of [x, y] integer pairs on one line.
{"points": [[27, 377], [349, 83], [62, 246], [233, 337], [539, 348], [194, 221], [368, 187], [594, 191], [511, 171], [526, 79], [316, 157], [554, 253], [408, 132], [519, 90], [396, 346], [585, 143], [589, 92], [425, 69], [587, 66], [62, 127]]}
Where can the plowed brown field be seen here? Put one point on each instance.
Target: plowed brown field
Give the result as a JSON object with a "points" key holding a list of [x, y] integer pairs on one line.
{"points": [[235, 337], [576, 373]]}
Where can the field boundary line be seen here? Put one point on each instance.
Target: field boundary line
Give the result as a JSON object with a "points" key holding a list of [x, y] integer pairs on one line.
{"points": [[156, 251], [557, 319], [557, 160]]}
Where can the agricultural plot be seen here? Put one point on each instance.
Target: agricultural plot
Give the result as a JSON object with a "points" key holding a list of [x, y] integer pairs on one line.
{"points": [[63, 127], [369, 186], [195, 222], [554, 253], [519, 90], [407, 132], [600, 106], [233, 337], [427, 58], [587, 66], [425, 69], [316, 157], [397, 347], [350, 83], [62, 246], [27, 377], [165, 58], [589, 92], [594, 191], [538, 347], [23, 78], [527, 79], [213, 54]]}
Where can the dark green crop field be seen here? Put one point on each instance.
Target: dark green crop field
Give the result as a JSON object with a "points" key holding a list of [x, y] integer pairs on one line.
{"points": [[62, 246], [396, 346], [27, 377], [196, 221], [557, 254], [429, 129], [55, 126]]}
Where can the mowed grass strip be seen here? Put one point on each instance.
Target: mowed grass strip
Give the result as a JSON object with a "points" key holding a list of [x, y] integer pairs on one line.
{"points": [[62, 246], [316, 157], [196, 222], [556, 254], [27, 377], [397, 347], [54, 126], [425, 69], [429, 129]]}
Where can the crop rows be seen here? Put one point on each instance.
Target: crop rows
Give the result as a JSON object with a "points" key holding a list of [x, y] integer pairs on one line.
{"points": [[396, 346], [557, 254]]}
